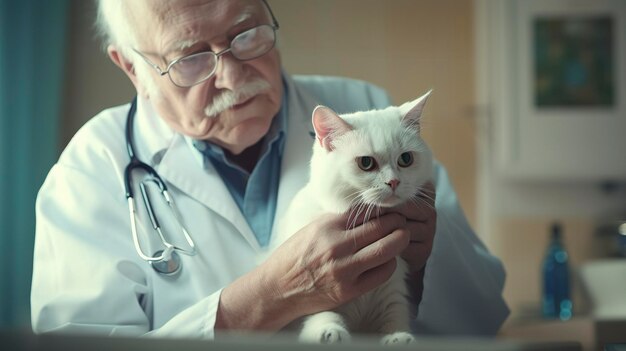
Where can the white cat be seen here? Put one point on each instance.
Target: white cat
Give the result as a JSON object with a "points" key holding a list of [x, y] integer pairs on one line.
{"points": [[361, 162]]}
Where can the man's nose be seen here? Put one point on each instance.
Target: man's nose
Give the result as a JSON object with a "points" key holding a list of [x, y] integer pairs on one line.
{"points": [[230, 72]]}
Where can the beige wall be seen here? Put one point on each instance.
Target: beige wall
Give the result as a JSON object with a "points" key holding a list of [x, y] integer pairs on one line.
{"points": [[93, 82], [405, 46]]}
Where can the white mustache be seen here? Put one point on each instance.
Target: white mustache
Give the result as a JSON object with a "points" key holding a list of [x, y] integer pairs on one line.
{"points": [[229, 98]]}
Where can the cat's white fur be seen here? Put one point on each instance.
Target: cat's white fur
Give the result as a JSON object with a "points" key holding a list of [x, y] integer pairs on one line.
{"points": [[337, 184]]}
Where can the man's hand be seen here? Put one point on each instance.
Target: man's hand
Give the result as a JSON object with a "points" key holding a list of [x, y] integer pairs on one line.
{"points": [[320, 267], [327, 265]]}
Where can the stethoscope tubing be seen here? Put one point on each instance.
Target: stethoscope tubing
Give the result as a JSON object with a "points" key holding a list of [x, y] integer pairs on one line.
{"points": [[134, 161], [164, 261]]}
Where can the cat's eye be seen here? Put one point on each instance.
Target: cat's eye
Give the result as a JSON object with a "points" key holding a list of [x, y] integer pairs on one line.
{"points": [[366, 163], [406, 159]]}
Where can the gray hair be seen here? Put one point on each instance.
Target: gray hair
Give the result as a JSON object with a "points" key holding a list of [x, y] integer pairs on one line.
{"points": [[112, 24], [114, 28]]}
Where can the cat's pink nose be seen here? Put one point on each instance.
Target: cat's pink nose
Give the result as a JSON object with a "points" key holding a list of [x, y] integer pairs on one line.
{"points": [[393, 184]]}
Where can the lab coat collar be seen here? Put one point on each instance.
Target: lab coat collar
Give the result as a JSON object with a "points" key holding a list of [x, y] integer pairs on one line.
{"points": [[155, 142]]}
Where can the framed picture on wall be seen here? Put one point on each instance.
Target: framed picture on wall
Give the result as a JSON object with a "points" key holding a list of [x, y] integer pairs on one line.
{"points": [[558, 88], [573, 60]]}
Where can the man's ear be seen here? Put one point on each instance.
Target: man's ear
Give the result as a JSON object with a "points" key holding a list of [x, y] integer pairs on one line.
{"points": [[127, 67]]}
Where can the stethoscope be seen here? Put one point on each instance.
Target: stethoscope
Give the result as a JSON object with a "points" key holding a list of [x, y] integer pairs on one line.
{"points": [[165, 261]]}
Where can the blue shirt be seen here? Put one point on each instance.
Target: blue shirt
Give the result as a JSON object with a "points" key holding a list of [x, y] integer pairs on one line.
{"points": [[255, 193]]}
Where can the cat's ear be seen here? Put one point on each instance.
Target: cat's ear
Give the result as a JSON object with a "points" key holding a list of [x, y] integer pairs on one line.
{"points": [[412, 111], [328, 126]]}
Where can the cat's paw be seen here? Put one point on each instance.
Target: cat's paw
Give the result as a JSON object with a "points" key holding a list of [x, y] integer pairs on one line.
{"points": [[330, 334], [398, 338], [334, 335]]}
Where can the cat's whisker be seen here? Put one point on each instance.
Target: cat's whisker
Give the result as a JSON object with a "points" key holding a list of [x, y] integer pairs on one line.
{"points": [[363, 209], [422, 201], [368, 212], [427, 193], [351, 221], [352, 214], [429, 199], [370, 196], [353, 201], [359, 207], [353, 196]]}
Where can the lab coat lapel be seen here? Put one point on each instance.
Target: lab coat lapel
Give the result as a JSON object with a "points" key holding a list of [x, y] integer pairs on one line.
{"points": [[294, 172], [174, 160], [182, 170]]}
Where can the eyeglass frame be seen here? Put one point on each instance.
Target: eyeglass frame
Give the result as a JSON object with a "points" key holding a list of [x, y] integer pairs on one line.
{"points": [[275, 26]]}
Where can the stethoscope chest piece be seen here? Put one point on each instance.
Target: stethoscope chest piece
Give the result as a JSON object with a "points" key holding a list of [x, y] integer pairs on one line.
{"points": [[170, 266]]}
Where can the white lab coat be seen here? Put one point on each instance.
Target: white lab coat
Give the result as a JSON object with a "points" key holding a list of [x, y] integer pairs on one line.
{"points": [[88, 278]]}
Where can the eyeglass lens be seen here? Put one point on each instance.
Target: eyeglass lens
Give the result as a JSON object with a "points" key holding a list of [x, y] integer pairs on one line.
{"points": [[248, 45]]}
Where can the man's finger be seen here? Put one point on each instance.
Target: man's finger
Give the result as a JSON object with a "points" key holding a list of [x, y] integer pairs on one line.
{"points": [[372, 231], [421, 232], [376, 276], [381, 251]]}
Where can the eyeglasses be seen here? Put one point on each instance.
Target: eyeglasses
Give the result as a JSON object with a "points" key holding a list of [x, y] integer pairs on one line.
{"points": [[194, 69]]}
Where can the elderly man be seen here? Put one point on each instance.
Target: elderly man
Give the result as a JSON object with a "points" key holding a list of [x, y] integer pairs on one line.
{"points": [[228, 133]]}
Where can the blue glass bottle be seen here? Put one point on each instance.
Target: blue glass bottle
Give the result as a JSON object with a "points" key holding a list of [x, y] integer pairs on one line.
{"points": [[556, 280]]}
